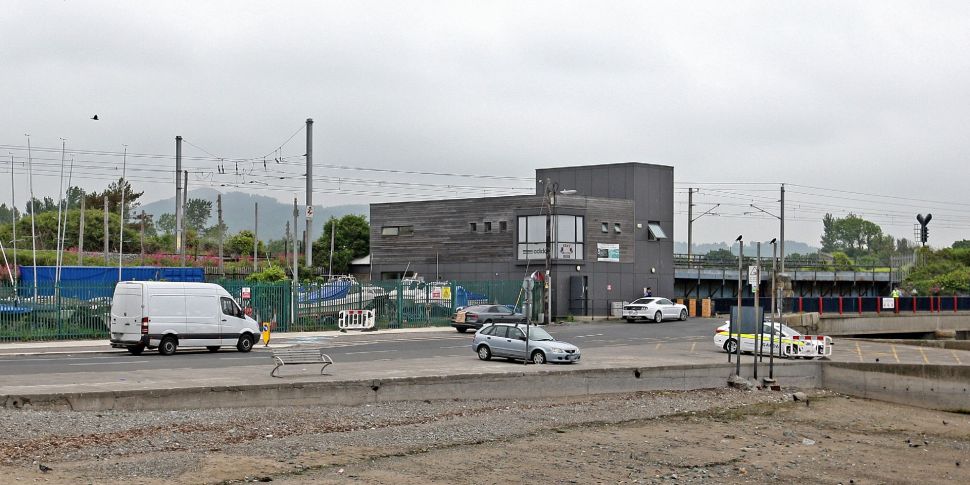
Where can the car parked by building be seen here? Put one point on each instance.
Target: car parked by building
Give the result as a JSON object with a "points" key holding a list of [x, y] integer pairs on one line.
{"points": [[655, 309], [522, 342], [477, 316]]}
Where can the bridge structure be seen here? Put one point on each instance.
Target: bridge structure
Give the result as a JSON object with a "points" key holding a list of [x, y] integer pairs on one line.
{"points": [[701, 277]]}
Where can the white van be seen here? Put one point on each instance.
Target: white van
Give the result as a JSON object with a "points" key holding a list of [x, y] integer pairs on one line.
{"points": [[154, 314]]}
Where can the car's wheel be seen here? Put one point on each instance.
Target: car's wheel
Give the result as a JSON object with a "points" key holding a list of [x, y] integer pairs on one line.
{"points": [[538, 357], [136, 349], [461, 329], [245, 343], [658, 317], [213, 348], [629, 319], [484, 352], [731, 346], [683, 315], [168, 345]]}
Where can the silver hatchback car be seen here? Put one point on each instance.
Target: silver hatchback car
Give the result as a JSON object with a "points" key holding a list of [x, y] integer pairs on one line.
{"points": [[509, 340]]}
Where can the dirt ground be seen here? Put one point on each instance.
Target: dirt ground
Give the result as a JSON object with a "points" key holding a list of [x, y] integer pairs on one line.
{"points": [[762, 439]]}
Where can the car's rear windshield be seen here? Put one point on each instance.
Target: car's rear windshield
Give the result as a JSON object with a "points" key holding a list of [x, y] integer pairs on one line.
{"points": [[643, 301]]}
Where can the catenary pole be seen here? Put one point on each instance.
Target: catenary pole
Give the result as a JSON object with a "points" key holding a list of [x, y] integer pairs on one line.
{"points": [[255, 236], [60, 204], [80, 234], [185, 204], [737, 369], [308, 241], [107, 260], [690, 226], [33, 209], [781, 234], [178, 196], [13, 220]]}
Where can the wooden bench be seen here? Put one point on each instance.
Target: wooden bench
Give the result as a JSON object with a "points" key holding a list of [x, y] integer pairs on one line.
{"points": [[300, 355]]}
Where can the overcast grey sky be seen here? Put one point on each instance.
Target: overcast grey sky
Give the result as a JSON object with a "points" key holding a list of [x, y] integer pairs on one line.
{"points": [[864, 97]]}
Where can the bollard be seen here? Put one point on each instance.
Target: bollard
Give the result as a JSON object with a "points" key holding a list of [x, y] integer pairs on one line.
{"points": [[860, 305], [840, 304], [821, 309]]}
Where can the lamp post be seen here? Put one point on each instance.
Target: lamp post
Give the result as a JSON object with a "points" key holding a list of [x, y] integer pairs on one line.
{"points": [[551, 189]]}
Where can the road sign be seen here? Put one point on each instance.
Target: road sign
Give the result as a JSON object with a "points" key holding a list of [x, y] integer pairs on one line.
{"points": [[754, 278], [309, 212], [246, 293]]}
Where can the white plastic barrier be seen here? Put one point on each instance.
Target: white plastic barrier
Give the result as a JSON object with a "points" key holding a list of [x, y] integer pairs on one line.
{"points": [[810, 346], [356, 319]]}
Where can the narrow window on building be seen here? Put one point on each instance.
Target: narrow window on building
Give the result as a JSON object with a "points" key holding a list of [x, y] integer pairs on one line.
{"points": [[605, 227], [406, 230], [503, 226], [389, 231], [473, 226], [488, 227], [654, 232], [616, 228]]}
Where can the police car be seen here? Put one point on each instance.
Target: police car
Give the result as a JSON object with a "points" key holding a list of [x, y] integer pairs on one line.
{"points": [[787, 341]]}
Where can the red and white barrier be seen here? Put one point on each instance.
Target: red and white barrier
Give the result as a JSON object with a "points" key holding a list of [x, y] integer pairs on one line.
{"points": [[810, 346], [356, 319]]}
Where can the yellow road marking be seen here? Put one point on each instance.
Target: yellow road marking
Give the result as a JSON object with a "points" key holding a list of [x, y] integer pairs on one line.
{"points": [[954, 352], [858, 351], [895, 355], [692, 347], [923, 352]]}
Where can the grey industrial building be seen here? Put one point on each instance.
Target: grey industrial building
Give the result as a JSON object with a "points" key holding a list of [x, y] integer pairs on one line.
{"points": [[612, 235]]}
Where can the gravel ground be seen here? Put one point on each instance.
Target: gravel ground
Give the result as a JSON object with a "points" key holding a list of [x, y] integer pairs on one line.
{"points": [[714, 436]]}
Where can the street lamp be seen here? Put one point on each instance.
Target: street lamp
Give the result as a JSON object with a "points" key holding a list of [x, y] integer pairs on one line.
{"points": [[551, 189]]}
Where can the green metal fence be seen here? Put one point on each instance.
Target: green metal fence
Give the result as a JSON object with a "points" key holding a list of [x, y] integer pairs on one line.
{"points": [[73, 312]]}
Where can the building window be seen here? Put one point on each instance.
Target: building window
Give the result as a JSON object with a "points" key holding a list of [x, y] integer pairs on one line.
{"points": [[654, 232], [488, 227], [616, 228], [566, 237], [397, 230], [605, 227], [473, 226], [503, 226]]}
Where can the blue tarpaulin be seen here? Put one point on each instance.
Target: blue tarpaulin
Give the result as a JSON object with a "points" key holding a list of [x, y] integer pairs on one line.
{"points": [[86, 282]]}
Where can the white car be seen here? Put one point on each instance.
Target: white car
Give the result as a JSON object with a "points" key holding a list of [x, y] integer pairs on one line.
{"points": [[787, 342], [656, 309]]}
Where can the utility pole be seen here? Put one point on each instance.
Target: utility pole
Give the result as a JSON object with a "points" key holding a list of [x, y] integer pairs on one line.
{"points": [[178, 196], [690, 225], [548, 293], [308, 238], [781, 289], [121, 223], [185, 204], [106, 230], [737, 369], [255, 235], [222, 269], [80, 234]]}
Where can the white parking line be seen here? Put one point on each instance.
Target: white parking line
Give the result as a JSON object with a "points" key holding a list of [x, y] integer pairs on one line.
{"points": [[456, 347], [370, 352], [113, 363], [591, 335]]}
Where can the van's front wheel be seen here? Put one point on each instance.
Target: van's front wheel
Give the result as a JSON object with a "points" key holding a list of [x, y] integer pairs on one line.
{"points": [[168, 346], [245, 343]]}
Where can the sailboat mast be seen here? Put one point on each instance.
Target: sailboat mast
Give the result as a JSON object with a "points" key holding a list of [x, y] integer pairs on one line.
{"points": [[33, 209]]}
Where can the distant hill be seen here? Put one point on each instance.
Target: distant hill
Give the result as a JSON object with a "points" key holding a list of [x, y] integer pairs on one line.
{"points": [[791, 247], [237, 212]]}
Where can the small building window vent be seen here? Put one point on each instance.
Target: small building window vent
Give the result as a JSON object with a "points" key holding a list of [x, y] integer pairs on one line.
{"points": [[654, 232]]}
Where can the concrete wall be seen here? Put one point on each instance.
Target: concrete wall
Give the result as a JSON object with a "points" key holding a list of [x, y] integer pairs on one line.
{"points": [[510, 385], [926, 386], [885, 323]]}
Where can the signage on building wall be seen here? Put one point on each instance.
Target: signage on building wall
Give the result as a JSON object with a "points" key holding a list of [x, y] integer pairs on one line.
{"points": [[608, 252], [567, 251], [888, 303]]}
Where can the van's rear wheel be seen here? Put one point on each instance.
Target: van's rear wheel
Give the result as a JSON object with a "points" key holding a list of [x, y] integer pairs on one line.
{"points": [[136, 349], [213, 348], [168, 346], [245, 343]]}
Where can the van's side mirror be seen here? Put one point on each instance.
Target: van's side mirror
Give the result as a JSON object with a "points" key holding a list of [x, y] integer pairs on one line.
{"points": [[240, 314]]}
